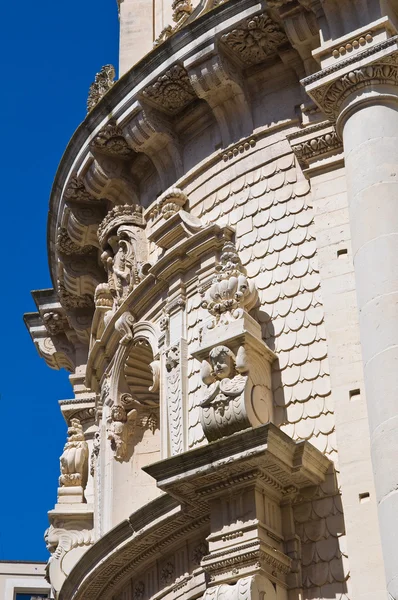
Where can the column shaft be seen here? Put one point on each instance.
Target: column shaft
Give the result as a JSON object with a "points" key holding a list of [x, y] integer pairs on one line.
{"points": [[370, 135]]}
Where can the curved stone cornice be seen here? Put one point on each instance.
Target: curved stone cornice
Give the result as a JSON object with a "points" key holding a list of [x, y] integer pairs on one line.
{"points": [[119, 107]]}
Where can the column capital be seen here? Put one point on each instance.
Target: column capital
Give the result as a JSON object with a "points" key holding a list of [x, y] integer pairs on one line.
{"points": [[366, 77]]}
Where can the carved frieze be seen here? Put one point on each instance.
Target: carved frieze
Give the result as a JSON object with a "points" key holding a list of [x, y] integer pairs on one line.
{"points": [[103, 82], [171, 92], [256, 40], [314, 143]]}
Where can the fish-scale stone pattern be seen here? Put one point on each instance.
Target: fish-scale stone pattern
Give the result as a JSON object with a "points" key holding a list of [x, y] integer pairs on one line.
{"points": [[271, 212], [320, 525]]}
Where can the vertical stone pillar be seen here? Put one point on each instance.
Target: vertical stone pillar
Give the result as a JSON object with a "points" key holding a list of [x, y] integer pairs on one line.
{"points": [[363, 98], [370, 135]]}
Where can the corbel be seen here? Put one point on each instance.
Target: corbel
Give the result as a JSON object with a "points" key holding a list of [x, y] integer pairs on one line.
{"points": [[219, 82], [153, 134], [81, 273]]}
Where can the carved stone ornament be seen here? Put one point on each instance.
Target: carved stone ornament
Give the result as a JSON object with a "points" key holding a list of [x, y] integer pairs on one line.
{"points": [[181, 9], [236, 363], [171, 92], [66, 544], [231, 292], [72, 301], [119, 215], [248, 588], [76, 192], [66, 246], [256, 40], [103, 82], [332, 86], [168, 223], [95, 452], [314, 143], [230, 401], [174, 398], [55, 322], [120, 428], [125, 253], [74, 465], [111, 141]]}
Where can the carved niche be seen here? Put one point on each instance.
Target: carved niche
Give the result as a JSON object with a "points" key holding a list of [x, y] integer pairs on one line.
{"points": [[122, 238], [236, 363], [131, 399]]}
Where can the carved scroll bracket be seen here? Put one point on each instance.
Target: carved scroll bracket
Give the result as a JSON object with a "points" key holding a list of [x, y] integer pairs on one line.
{"points": [[219, 82]]}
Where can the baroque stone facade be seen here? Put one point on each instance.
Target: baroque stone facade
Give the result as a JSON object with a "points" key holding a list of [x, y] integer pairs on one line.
{"points": [[222, 243]]}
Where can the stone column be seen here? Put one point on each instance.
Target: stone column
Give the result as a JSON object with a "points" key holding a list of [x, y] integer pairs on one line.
{"points": [[363, 98], [370, 134]]}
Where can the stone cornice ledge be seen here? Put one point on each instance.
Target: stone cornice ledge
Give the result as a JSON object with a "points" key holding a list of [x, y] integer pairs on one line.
{"points": [[185, 476]]}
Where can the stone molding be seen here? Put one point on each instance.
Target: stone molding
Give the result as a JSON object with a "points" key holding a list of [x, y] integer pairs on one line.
{"points": [[313, 144], [332, 87]]}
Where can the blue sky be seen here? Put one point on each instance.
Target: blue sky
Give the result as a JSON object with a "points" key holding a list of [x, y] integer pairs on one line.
{"points": [[50, 54]]}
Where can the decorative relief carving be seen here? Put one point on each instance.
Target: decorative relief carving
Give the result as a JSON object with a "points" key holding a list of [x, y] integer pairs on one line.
{"points": [[66, 543], [238, 149], [174, 398], [331, 97], [225, 377], [74, 465], [103, 82], [167, 221], [167, 573], [76, 191], [168, 204], [120, 427], [171, 92], [66, 246], [230, 292], [95, 452], [249, 588], [119, 215], [139, 590], [71, 301], [255, 41], [317, 146], [199, 552], [110, 140]]}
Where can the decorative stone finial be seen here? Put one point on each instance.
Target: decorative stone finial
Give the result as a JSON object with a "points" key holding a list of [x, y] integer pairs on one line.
{"points": [[74, 465], [181, 9], [230, 293], [103, 82]]}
